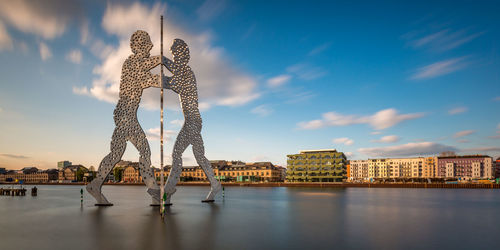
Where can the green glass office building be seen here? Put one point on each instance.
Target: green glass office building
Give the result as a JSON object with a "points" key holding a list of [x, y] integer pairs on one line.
{"points": [[324, 165]]}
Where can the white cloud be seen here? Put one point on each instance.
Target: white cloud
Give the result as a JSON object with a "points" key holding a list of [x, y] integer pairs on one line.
{"points": [[349, 154], [219, 82], [74, 56], [45, 52], [81, 90], [457, 110], [47, 19], [344, 140], [381, 120], [498, 133], [22, 46], [84, 32], [463, 133], [409, 149], [154, 134], [444, 40], [319, 49], [262, 110], [5, 40], [481, 149], [375, 133], [388, 139], [306, 71], [439, 68], [278, 80], [177, 122], [210, 9]]}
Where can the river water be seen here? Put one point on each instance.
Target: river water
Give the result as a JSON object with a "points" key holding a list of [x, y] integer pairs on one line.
{"points": [[254, 218]]}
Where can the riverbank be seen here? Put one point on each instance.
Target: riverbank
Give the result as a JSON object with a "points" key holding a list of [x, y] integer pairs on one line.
{"points": [[311, 184]]}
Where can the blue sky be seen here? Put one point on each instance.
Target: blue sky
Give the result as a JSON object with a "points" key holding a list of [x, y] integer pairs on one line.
{"points": [[385, 79]]}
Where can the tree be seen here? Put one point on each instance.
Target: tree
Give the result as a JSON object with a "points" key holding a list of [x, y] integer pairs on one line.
{"points": [[118, 173], [79, 174]]}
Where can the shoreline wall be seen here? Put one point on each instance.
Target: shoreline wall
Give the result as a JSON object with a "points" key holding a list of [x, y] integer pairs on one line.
{"points": [[312, 185]]}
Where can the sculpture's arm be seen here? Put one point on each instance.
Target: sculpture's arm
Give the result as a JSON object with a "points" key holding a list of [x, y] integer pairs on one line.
{"points": [[154, 61], [168, 64], [168, 83]]}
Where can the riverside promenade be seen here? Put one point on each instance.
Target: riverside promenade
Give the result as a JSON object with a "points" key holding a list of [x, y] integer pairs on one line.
{"points": [[310, 184]]}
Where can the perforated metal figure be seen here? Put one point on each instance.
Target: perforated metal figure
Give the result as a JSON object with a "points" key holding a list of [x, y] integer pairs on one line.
{"points": [[183, 82], [135, 77]]}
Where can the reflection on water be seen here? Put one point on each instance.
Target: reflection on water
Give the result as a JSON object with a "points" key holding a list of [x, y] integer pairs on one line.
{"points": [[254, 218]]}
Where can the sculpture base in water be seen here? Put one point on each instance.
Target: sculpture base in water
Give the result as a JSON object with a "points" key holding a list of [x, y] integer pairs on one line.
{"points": [[104, 204]]}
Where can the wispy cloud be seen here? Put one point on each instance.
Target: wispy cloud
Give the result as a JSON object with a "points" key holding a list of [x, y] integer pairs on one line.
{"points": [[306, 71], [74, 56], [443, 40], [154, 134], [497, 136], [15, 156], [262, 110], [344, 140], [481, 149], [210, 9], [84, 32], [47, 19], [463, 133], [45, 52], [409, 149], [319, 49], [458, 110], [380, 120], [497, 99], [387, 139], [278, 80], [440, 68], [5, 39], [177, 122]]}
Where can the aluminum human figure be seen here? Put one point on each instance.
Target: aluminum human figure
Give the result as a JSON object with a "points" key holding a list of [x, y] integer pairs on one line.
{"points": [[135, 77], [183, 82]]}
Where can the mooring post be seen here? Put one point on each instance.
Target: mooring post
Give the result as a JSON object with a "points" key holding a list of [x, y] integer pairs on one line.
{"points": [[81, 196]]}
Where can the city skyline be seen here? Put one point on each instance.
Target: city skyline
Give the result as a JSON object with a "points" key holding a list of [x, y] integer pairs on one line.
{"points": [[381, 80]]}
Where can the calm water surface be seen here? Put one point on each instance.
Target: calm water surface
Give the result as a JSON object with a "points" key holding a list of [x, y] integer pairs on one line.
{"points": [[254, 218]]}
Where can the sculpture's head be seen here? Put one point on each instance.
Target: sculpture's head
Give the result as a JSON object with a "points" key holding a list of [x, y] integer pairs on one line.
{"points": [[140, 43], [180, 51]]}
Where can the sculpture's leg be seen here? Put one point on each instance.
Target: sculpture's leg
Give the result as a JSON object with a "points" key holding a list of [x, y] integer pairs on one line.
{"points": [[141, 143], [118, 145], [199, 154], [181, 143]]}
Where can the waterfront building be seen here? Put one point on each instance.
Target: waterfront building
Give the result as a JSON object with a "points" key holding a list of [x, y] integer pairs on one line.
{"points": [[324, 165], [72, 173], [231, 171], [465, 167], [3, 171], [358, 170], [430, 167], [131, 174], [62, 164], [30, 176], [389, 168], [497, 168]]}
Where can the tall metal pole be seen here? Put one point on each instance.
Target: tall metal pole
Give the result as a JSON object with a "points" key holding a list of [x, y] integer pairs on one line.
{"points": [[162, 191]]}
